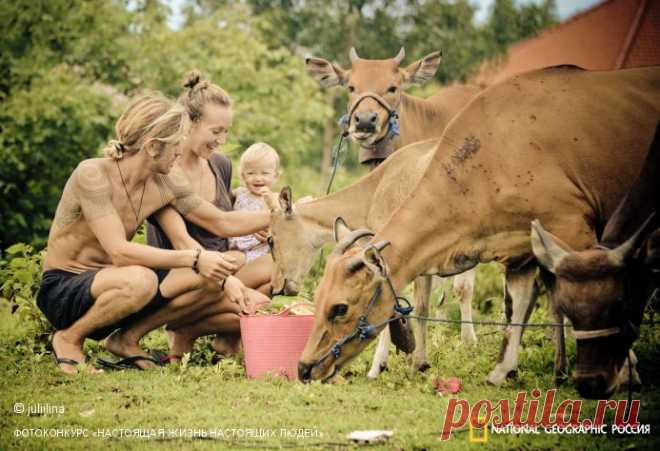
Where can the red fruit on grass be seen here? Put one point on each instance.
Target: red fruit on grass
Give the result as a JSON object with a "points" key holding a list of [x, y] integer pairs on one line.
{"points": [[450, 385]]}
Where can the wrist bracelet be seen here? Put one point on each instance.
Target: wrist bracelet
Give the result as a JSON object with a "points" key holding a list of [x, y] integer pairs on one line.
{"points": [[198, 252]]}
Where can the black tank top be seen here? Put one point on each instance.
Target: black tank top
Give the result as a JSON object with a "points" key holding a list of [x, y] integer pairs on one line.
{"points": [[221, 167]]}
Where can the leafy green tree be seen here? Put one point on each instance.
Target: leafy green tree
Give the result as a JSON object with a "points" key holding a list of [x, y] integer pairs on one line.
{"points": [[274, 100], [509, 22], [46, 131]]}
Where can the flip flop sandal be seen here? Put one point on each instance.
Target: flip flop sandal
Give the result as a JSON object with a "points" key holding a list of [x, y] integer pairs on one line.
{"points": [[165, 359], [61, 360], [64, 361], [128, 363]]}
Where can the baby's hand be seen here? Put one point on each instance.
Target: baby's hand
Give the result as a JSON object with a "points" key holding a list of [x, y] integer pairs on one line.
{"points": [[270, 199]]}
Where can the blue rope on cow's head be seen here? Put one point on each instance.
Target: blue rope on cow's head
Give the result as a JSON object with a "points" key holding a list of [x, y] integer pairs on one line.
{"points": [[393, 126]]}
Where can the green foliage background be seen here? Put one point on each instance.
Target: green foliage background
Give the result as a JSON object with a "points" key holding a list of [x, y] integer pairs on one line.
{"points": [[67, 67]]}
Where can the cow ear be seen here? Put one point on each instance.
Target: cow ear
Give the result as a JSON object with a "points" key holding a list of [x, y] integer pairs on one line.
{"points": [[546, 248], [286, 201], [374, 261], [423, 69], [340, 230], [326, 73]]}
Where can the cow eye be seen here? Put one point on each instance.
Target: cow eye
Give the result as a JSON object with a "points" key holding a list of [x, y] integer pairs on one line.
{"points": [[337, 310], [351, 89], [391, 89], [269, 240]]}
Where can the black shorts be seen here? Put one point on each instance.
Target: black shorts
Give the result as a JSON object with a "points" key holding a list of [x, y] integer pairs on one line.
{"points": [[64, 297]]}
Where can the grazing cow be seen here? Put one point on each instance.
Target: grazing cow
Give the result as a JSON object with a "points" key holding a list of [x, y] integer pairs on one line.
{"points": [[381, 119], [299, 230], [603, 290], [559, 144]]}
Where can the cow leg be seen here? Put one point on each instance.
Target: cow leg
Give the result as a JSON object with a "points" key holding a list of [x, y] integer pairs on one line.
{"points": [[561, 364], [422, 294], [519, 297], [464, 290], [624, 375], [380, 356]]}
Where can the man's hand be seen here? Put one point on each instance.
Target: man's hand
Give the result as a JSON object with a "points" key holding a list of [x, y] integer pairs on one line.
{"points": [[215, 265], [236, 292]]}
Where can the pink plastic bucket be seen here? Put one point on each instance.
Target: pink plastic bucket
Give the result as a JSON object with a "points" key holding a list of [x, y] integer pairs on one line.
{"points": [[273, 343]]}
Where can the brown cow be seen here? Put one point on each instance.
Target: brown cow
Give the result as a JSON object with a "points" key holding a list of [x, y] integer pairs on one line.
{"points": [[559, 144], [298, 231], [603, 290], [377, 107]]}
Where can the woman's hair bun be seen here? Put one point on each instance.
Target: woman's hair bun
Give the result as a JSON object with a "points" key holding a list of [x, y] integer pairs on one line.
{"points": [[192, 79]]}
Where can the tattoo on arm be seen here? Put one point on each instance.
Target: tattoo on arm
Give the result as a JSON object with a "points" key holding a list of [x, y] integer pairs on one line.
{"points": [[68, 209], [94, 191], [185, 200]]}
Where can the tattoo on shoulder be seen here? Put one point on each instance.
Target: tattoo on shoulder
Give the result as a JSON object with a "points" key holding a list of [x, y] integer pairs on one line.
{"points": [[68, 209], [94, 191], [184, 199]]}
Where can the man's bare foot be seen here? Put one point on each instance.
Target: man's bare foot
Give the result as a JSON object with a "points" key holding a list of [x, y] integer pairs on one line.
{"points": [[227, 345], [64, 348], [179, 343], [123, 346]]}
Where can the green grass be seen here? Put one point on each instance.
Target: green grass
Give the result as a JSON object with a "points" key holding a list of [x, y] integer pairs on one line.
{"points": [[202, 396]]}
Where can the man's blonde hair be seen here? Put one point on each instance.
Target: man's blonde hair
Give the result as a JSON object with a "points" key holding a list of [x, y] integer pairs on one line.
{"points": [[147, 118], [258, 151]]}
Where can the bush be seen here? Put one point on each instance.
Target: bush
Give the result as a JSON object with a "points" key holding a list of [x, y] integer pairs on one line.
{"points": [[21, 277], [46, 131]]}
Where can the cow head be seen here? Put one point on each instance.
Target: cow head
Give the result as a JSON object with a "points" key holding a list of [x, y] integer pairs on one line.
{"points": [[593, 289], [353, 274], [293, 245], [374, 89]]}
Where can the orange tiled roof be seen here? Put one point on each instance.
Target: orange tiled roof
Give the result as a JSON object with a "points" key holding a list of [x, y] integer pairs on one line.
{"points": [[610, 35]]}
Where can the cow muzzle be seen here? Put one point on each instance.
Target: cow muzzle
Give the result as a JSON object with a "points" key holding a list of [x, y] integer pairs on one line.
{"points": [[595, 386], [290, 288], [366, 122]]}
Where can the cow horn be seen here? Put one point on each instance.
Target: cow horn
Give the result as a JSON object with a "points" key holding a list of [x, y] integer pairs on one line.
{"points": [[400, 56], [381, 245], [620, 254], [349, 240], [352, 55]]}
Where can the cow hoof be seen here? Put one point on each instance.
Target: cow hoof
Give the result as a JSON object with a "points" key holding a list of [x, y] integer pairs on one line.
{"points": [[375, 372], [423, 367], [496, 378], [512, 374]]}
